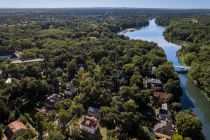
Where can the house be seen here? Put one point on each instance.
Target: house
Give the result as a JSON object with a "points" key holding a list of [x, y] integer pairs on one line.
{"points": [[89, 124], [164, 129], [164, 114], [15, 129], [154, 81], [161, 95], [53, 99], [70, 91], [92, 111]]}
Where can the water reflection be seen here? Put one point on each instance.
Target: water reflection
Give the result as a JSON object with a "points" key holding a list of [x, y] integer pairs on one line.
{"points": [[192, 96]]}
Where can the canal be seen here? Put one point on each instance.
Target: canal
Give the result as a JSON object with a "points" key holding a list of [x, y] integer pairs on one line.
{"points": [[192, 97]]}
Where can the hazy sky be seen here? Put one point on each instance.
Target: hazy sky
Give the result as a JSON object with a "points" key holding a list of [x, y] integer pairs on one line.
{"points": [[105, 3]]}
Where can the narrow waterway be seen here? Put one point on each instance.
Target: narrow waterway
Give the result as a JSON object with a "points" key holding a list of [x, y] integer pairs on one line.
{"points": [[192, 96]]}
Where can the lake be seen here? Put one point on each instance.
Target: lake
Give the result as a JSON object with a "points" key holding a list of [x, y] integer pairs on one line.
{"points": [[192, 97]]}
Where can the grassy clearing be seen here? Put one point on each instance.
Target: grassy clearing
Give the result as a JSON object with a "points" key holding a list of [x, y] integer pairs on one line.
{"points": [[104, 132]]}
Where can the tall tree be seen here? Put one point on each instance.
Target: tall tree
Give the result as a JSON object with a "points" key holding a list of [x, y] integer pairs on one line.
{"points": [[188, 125], [72, 69]]}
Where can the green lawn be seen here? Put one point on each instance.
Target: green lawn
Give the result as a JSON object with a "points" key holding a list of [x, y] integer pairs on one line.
{"points": [[103, 131]]}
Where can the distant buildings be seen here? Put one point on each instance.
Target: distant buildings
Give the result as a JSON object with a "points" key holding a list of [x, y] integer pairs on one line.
{"points": [[14, 130], [89, 124]]}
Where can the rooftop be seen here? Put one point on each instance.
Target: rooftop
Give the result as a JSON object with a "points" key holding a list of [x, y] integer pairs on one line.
{"points": [[93, 110], [161, 95], [90, 122], [13, 127], [164, 106]]}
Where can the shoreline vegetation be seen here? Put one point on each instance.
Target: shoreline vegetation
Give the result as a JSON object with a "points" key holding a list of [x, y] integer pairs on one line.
{"points": [[180, 57], [184, 43]]}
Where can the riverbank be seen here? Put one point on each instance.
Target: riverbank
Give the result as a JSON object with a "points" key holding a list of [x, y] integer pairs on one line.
{"points": [[130, 30], [183, 44]]}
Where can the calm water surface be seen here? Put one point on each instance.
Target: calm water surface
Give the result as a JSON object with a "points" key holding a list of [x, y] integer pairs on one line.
{"points": [[192, 97]]}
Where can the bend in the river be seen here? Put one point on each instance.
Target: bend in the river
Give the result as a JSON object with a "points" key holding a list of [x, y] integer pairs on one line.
{"points": [[192, 97]]}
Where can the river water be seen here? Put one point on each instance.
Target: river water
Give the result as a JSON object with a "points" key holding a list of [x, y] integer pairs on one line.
{"points": [[192, 97]]}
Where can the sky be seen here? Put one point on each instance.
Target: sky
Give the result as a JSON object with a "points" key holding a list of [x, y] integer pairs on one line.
{"points": [[178, 4]]}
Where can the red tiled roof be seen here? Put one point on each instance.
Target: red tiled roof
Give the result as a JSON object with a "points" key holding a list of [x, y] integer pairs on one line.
{"points": [[161, 95], [90, 122], [13, 127]]}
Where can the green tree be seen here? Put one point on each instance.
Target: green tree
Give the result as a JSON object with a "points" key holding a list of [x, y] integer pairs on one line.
{"points": [[177, 137], [23, 120], [166, 72], [1, 130], [188, 125], [56, 135], [72, 69], [4, 111]]}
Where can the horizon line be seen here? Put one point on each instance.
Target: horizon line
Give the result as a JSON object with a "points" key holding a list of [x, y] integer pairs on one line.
{"points": [[102, 7]]}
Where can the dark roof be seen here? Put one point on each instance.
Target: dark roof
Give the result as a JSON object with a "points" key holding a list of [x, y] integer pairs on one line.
{"points": [[93, 110], [124, 76]]}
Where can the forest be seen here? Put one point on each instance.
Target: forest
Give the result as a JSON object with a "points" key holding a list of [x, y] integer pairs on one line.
{"points": [[81, 48]]}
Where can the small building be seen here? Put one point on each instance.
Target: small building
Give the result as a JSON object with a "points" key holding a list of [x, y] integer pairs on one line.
{"points": [[14, 130], [161, 95], [92, 111], [164, 129], [89, 124], [53, 99]]}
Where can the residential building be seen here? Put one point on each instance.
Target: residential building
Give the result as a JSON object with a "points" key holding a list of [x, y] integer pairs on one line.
{"points": [[70, 91], [161, 95], [164, 128], [89, 124], [51, 100], [164, 114], [15, 129]]}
